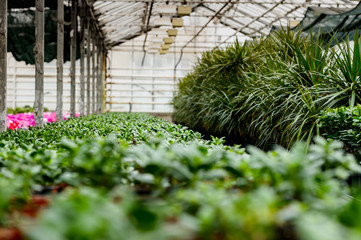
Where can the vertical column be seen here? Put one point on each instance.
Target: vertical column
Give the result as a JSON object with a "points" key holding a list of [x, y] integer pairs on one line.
{"points": [[73, 56], [3, 63], [39, 62], [103, 80], [99, 54], [88, 68], [14, 84], [94, 74], [82, 59], [132, 80], [153, 85], [59, 62]]}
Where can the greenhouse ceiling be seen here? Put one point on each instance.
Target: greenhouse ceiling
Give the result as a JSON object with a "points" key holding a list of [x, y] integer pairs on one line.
{"points": [[124, 20]]}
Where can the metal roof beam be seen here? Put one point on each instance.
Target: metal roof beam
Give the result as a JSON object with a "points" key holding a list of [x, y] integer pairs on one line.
{"points": [[114, 21], [136, 14], [195, 36], [227, 24], [254, 20], [104, 18], [115, 17], [94, 20], [146, 30], [288, 2], [274, 21]]}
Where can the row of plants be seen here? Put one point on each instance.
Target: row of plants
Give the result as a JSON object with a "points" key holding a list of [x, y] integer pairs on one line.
{"points": [[132, 176], [133, 128], [270, 91]]}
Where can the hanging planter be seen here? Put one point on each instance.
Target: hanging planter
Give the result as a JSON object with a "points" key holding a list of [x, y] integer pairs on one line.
{"points": [[165, 47], [293, 23], [177, 22], [184, 10], [172, 32], [168, 40], [161, 51]]}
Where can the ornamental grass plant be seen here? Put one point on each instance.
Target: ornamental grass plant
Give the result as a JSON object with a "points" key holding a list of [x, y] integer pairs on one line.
{"points": [[269, 91]]}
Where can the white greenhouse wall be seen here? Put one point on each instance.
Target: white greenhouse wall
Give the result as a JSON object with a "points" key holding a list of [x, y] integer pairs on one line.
{"points": [[130, 86], [133, 85], [21, 85], [147, 88]]}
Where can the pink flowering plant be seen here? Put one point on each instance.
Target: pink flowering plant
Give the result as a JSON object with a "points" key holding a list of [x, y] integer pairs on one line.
{"points": [[24, 120]]}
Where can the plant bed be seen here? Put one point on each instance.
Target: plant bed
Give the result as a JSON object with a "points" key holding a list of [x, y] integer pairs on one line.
{"points": [[171, 184]]}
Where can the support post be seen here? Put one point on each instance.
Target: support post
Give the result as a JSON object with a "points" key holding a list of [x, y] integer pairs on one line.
{"points": [[3, 63], [60, 61], [73, 56], [94, 74], [39, 62], [104, 78], [98, 78], [82, 59], [88, 67], [14, 84]]}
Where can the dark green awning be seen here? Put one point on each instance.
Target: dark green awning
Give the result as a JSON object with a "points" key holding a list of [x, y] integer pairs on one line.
{"points": [[21, 34], [52, 4], [328, 22]]}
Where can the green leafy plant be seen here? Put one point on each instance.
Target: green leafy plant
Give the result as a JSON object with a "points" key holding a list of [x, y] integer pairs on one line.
{"points": [[272, 91], [142, 178], [131, 128], [343, 124]]}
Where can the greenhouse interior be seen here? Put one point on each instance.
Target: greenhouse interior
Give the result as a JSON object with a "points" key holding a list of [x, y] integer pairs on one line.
{"points": [[180, 119]]}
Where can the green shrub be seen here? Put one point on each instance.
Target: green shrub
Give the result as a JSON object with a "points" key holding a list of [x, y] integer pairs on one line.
{"points": [[269, 91], [343, 124]]}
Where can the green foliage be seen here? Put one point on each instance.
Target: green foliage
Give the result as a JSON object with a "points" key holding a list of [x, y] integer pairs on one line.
{"points": [[273, 90], [24, 109], [208, 194], [162, 181], [128, 127], [343, 124], [348, 61]]}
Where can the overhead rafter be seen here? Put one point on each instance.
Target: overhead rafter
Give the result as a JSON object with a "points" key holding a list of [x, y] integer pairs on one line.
{"points": [[146, 29], [122, 20], [290, 2], [254, 20], [94, 20], [139, 13], [219, 12], [277, 19], [224, 22]]}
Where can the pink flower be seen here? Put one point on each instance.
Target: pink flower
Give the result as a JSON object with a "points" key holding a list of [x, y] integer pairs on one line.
{"points": [[13, 125], [24, 120]]}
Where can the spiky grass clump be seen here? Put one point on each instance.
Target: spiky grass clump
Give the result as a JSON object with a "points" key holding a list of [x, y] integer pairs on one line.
{"points": [[269, 91]]}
